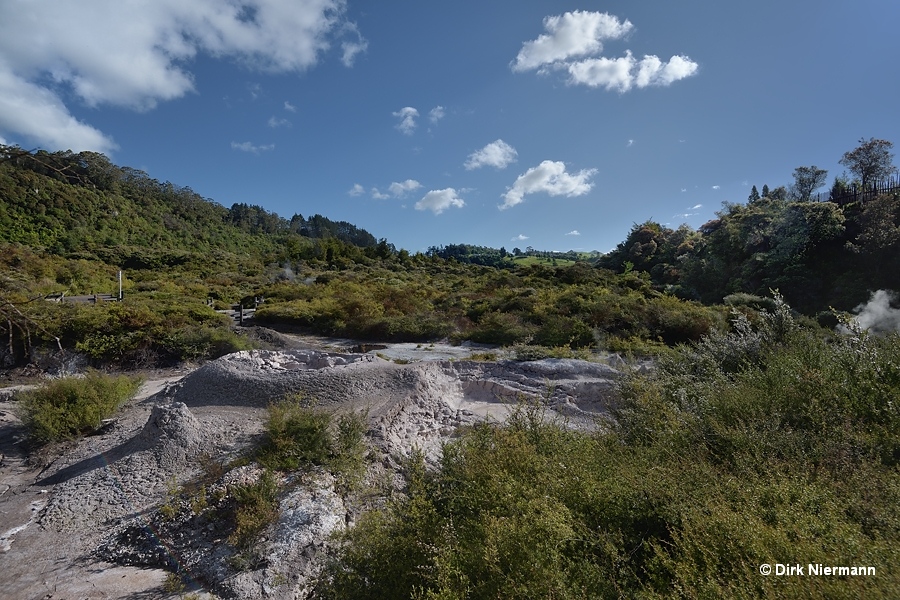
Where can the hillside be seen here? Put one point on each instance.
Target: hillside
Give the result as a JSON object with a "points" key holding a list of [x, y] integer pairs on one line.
{"points": [[69, 222]]}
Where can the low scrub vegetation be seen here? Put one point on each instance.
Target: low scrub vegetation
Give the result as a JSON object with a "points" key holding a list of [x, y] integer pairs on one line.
{"points": [[771, 443], [66, 408], [298, 437]]}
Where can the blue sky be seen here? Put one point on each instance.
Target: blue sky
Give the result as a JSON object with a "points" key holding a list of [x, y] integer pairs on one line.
{"points": [[521, 123]]}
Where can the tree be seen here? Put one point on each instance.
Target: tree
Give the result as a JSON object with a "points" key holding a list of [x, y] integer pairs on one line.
{"points": [[765, 191], [754, 195], [806, 181], [779, 193], [871, 161]]}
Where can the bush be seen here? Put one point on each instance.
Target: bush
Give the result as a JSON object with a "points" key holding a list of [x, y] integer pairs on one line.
{"points": [[769, 444], [256, 508], [66, 408], [297, 436]]}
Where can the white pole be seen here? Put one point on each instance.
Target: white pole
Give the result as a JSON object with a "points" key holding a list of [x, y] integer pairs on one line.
{"points": [[120, 285]]}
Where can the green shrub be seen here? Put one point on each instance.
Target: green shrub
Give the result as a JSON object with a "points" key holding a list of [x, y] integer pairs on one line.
{"points": [[256, 507], [297, 436], [65, 408]]}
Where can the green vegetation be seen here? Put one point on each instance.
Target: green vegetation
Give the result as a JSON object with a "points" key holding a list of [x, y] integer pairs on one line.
{"points": [[298, 437], [768, 444], [255, 508], [65, 408], [818, 254]]}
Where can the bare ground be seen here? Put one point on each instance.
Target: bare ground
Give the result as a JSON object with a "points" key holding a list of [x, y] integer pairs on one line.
{"points": [[66, 514]]}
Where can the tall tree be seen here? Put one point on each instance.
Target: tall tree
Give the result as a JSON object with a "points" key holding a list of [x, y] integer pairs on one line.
{"points": [[806, 181], [872, 161], [754, 195]]}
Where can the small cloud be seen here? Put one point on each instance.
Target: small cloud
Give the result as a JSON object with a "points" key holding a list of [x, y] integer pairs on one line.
{"points": [[436, 114], [574, 232], [623, 73], [497, 154], [250, 147], [519, 238], [402, 188], [550, 177], [378, 195], [289, 107], [715, 187], [574, 42], [356, 190], [577, 33], [275, 122], [437, 201], [629, 144], [696, 206], [255, 90], [354, 47], [407, 116], [683, 189]]}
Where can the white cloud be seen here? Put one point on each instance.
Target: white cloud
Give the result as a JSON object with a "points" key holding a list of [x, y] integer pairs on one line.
{"points": [[683, 189], [407, 116], [356, 190], [497, 154], [289, 107], [438, 201], [136, 54], [696, 206], [550, 177], [574, 43], [519, 238], [276, 122], [623, 73], [38, 114], [378, 195], [629, 144], [716, 187], [250, 147], [437, 113], [577, 33], [401, 189], [351, 48], [574, 232]]}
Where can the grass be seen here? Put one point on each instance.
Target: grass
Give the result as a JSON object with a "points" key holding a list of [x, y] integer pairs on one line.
{"points": [[72, 406]]}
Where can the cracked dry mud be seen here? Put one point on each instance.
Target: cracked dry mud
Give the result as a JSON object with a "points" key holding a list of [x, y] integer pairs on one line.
{"points": [[88, 525]]}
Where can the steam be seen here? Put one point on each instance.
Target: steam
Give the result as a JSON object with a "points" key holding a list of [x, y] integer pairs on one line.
{"points": [[287, 273], [877, 315]]}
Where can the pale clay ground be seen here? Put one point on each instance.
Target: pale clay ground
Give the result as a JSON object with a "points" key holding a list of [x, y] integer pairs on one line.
{"points": [[53, 518]]}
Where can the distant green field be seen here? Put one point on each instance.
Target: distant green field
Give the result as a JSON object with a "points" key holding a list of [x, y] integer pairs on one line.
{"points": [[537, 260]]}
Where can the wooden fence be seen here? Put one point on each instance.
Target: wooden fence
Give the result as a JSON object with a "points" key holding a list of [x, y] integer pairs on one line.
{"points": [[858, 193]]}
